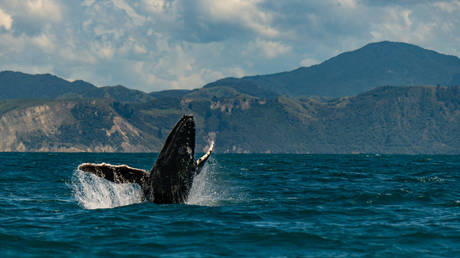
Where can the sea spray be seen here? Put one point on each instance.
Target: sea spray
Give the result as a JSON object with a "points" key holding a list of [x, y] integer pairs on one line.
{"points": [[203, 190], [207, 189], [93, 192]]}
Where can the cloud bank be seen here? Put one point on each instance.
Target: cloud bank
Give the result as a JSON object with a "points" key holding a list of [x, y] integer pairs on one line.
{"points": [[169, 44]]}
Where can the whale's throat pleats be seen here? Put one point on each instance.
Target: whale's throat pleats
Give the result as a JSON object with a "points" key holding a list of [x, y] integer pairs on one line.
{"points": [[172, 175]]}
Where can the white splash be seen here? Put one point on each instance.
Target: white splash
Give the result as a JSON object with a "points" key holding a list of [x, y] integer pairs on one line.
{"points": [[93, 192], [204, 190]]}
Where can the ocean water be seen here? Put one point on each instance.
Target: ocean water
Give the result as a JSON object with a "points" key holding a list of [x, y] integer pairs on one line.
{"points": [[241, 205]]}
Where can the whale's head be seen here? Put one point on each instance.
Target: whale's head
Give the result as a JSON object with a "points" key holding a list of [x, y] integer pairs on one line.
{"points": [[180, 143], [172, 175]]}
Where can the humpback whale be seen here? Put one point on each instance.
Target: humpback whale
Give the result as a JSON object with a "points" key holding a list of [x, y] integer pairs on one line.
{"points": [[171, 177]]}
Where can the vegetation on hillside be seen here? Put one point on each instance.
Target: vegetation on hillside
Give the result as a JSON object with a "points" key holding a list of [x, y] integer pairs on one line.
{"points": [[265, 114]]}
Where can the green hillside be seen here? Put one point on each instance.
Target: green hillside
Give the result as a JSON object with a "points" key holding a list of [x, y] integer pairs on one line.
{"points": [[280, 113], [17, 85], [385, 120]]}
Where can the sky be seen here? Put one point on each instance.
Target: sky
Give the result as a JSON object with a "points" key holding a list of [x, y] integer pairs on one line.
{"points": [[154, 45]]}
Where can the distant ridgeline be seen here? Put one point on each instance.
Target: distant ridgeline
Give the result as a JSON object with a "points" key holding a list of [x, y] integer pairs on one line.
{"points": [[343, 105]]}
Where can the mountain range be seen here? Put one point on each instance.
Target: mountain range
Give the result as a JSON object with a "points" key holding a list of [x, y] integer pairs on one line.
{"points": [[350, 73], [385, 97]]}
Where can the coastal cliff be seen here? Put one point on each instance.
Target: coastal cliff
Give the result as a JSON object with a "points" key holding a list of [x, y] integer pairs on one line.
{"points": [[384, 120]]}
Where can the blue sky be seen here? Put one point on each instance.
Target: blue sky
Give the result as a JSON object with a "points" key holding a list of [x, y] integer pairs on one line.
{"points": [[169, 44]]}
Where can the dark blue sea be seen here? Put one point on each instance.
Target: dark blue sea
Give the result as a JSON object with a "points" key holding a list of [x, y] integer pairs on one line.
{"points": [[241, 205]]}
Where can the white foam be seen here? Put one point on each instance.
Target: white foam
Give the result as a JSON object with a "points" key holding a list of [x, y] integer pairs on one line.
{"points": [[93, 192], [205, 191]]}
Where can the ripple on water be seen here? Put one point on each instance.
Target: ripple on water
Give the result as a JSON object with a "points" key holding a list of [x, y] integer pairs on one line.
{"points": [[240, 205]]}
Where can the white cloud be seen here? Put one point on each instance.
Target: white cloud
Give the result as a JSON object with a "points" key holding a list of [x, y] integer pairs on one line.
{"points": [[233, 72], [269, 49], [88, 2], [405, 14], [12, 45], [73, 55], [105, 51], [244, 12], [44, 42], [44, 9], [160, 44], [396, 24], [347, 3], [5, 20], [448, 6], [138, 19], [308, 62], [139, 49], [155, 6]]}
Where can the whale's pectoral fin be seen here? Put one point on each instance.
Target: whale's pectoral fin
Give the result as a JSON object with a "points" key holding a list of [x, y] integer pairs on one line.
{"points": [[117, 174], [201, 161]]}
